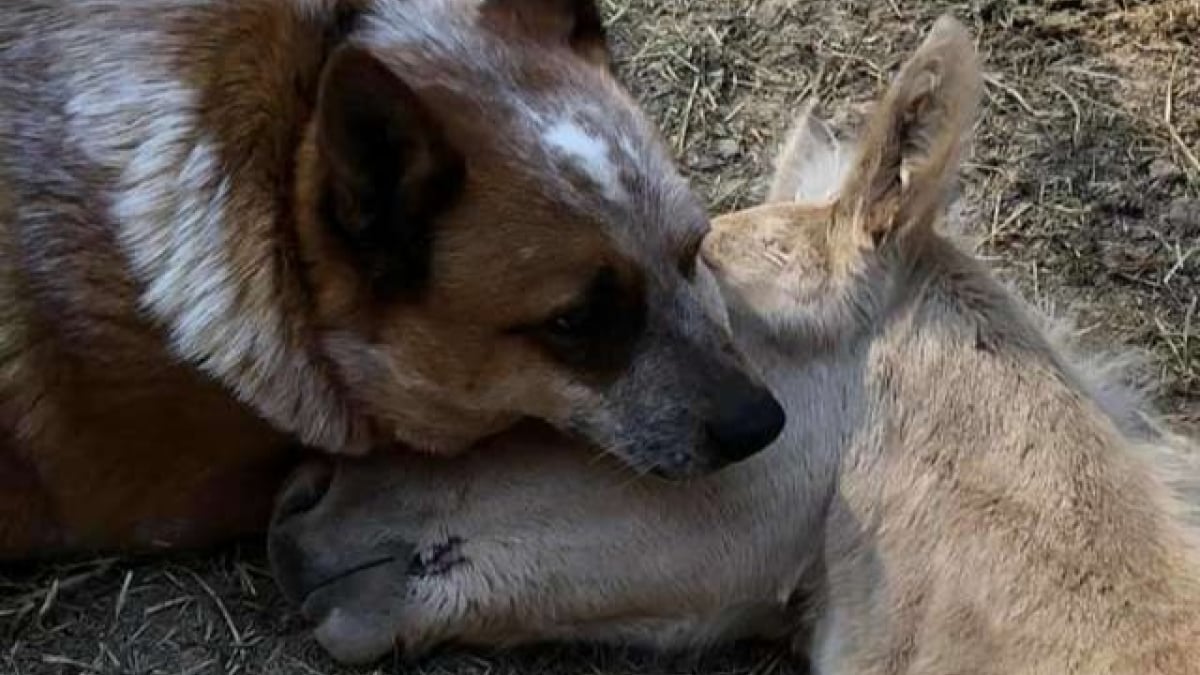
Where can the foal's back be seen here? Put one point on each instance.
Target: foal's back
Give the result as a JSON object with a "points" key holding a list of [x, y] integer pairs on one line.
{"points": [[1005, 522]]}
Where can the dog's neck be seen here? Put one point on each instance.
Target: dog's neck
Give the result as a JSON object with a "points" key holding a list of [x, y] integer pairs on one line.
{"points": [[199, 209]]}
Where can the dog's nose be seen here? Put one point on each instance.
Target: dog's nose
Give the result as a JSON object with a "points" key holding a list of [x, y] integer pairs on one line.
{"points": [[742, 425]]}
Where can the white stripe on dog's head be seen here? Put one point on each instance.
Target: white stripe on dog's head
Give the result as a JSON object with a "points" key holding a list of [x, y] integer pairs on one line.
{"points": [[589, 153], [555, 115]]}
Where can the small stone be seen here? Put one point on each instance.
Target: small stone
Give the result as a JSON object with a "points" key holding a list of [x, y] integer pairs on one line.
{"points": [[1185, 213], [768, 14], [704, 163], [1142, 233], [727, 148], [1127, 257], [1161, 169]]}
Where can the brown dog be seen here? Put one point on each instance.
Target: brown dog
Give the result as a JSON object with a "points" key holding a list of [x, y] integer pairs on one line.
{"points": [[231, 226]]}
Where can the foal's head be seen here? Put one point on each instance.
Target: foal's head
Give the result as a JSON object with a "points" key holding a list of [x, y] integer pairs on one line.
{"points": [[844, 228]]}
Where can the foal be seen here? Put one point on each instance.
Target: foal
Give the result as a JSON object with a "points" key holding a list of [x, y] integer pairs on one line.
{"points": [[955, 496]]}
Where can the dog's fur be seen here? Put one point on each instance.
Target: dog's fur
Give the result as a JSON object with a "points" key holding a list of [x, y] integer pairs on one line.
{"points": [[233, 226], [954, 494]]}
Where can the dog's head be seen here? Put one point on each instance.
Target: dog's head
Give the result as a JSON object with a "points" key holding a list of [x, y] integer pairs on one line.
{"points": [[493, 230]]}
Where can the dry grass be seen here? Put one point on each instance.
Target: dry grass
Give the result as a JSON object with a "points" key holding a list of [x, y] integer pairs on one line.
{"points": [[1084, 187]]}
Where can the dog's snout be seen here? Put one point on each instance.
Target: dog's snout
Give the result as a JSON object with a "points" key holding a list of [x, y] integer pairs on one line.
{"points": [[303, 491], [742, 425]]}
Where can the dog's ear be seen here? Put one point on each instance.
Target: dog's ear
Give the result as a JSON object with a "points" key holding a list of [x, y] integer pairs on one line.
{"points": [[909, 156], [576, 23], [812, 164], [387, 169]]}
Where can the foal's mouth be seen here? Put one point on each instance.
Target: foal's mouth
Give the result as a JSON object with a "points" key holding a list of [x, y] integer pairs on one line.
{"points": [[345, 574], [368, 581]]}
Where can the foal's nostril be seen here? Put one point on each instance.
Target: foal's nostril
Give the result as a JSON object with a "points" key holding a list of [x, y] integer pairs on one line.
{"points": [[293, 565], [289, 565], [303, 490], [744, 425]]}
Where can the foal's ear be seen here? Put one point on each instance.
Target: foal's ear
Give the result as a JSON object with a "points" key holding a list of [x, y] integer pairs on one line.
{"points": [[909, 156], [813, 163]]}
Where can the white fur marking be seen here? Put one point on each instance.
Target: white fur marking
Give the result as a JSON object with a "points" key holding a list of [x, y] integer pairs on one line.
{"points": [[176, 223], [588, 153]]}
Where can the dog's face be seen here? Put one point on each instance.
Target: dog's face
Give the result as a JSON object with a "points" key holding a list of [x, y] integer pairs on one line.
{"points": [[493, 231]]}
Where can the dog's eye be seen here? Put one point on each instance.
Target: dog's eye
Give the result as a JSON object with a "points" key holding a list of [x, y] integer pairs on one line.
{"points": [[597, 332], [574, 323], [593, 315]]}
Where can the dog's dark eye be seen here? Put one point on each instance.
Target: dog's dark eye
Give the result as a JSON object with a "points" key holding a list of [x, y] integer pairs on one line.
{"points": [[573, 323], [597, 332]]}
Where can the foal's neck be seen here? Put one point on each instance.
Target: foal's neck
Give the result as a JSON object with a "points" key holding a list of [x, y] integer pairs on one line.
{"points": [[975, 419], [962, 380]]}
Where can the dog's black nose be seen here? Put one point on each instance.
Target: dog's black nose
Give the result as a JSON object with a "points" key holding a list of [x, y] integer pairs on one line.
{"points": [[743, 425]]}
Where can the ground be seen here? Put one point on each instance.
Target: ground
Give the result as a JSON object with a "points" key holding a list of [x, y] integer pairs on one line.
{"points": [[1084, 188]]}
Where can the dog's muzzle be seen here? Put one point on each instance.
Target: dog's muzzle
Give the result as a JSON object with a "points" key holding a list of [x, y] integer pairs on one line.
{"points": [[743, 425]]}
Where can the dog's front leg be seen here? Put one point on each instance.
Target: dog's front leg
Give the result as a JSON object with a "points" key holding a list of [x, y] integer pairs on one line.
{"points": [[537, 540]]}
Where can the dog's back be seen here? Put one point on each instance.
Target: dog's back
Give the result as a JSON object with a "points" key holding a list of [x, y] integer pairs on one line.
{"points": [[95, 410]]}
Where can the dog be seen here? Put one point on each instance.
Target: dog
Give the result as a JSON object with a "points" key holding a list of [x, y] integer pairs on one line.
{"points": [[235, 228], [955, 492]]}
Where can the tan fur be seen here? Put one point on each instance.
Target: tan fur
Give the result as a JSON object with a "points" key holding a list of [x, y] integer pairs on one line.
{"points": [[208, 257], [953, 493]]}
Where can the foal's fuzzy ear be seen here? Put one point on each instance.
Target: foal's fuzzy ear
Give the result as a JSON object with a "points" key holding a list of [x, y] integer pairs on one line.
{"points": [[909, 156], [812, 164]]}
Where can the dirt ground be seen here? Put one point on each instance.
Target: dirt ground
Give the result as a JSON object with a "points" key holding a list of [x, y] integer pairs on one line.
{"points": [[1084, 188]]}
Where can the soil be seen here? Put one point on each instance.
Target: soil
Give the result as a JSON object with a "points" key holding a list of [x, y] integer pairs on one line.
{"points": [[1083, 189]]}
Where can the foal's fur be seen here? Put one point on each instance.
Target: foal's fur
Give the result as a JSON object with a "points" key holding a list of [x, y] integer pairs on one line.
{"points": [[954, 495]]}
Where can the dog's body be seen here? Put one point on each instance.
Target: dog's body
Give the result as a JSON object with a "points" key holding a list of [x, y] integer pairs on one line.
{"points": [[107, 432], [234, 227], [954, 494]]}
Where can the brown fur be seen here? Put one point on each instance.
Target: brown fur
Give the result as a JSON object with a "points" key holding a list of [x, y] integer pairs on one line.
{"points": [[955, 494], [235, 228]]}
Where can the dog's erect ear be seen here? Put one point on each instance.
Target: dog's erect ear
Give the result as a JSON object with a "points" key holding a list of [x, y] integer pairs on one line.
{"points": [[387, 169], [909, 156], [576, 23], [812, 164]]}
